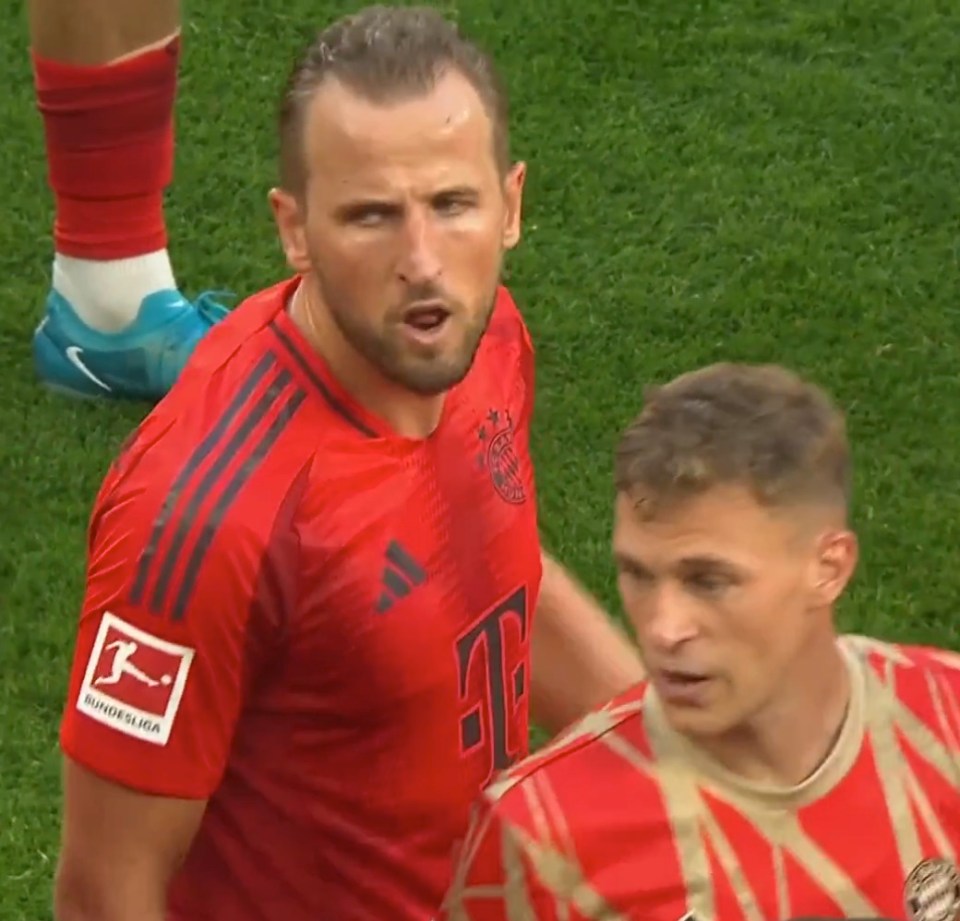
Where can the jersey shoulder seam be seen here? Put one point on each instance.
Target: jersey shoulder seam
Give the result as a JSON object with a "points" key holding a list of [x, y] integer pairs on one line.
{"points": [[572, 741]]}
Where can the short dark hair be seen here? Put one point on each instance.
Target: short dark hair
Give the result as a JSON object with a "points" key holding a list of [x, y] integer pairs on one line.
{"points": [[758, 426], [385, 53]]}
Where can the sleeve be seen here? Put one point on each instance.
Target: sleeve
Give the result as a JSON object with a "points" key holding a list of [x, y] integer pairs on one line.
{"points": [[499, 873], [167, 638]]}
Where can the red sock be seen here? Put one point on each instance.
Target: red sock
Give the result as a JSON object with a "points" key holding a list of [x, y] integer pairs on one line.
{"points": [[109, 137]]}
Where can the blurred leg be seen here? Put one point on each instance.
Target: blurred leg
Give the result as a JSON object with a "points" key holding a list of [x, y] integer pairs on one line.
{"points": [[106, 78]]}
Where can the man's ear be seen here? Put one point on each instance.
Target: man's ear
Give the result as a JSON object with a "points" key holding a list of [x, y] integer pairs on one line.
{"points": [[836, 560], [291, 228], [513, 195]]}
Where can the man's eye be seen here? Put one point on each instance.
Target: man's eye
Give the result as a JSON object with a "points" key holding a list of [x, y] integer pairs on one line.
{"points": [[635, 574], [451, 206], [709, 582], [367, 216]]}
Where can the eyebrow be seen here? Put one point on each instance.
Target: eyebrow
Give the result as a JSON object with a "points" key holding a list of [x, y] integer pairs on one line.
{"points": [[374, 201], [457, 191], [704, 561], [358, 205], [625, 561]]}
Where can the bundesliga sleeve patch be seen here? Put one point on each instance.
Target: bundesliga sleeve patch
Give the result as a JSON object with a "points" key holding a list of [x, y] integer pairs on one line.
{"points": [[134, 681]]}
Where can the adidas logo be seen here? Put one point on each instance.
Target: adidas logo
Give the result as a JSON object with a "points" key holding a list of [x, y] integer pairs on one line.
{"points": [[400, 575]]}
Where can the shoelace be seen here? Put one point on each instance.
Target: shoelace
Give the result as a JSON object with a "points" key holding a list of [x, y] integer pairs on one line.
{"points": [[208, 305]]}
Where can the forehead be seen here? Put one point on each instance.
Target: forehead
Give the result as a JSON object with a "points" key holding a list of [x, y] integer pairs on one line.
{"points": [[723, 522], [442, 135]]}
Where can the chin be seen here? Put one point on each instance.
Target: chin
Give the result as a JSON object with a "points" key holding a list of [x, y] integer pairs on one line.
{"points": [[428, 382], [699, 722], [440, 385], [432, 377]]}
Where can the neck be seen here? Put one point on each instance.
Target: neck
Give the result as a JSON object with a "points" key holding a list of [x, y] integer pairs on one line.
{"points": [[408, 414], [792, 737]]}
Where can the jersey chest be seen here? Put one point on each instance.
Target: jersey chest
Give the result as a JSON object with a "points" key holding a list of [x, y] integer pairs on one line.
{"points": [[864, 849], [418, 576]]}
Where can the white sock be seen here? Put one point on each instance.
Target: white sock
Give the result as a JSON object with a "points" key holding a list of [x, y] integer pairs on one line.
{"points": [[107, 294]]}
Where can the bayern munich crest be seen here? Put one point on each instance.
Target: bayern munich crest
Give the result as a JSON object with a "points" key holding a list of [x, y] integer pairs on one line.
{"points": [[932, 891], [499, 458]]}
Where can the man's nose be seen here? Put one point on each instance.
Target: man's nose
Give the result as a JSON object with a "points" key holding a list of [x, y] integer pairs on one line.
{"points": [[670, 621], [420, 258]]}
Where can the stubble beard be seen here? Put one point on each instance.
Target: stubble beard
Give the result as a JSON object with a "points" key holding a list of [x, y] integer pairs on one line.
{"points": [[384, 349]]}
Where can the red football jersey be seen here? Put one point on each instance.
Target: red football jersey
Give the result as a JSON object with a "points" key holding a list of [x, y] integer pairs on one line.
{"points": [[320, 626], [622, 819]]}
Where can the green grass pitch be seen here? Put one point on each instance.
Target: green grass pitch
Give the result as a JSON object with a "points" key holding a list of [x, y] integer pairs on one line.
{"points": [[720, 179]]}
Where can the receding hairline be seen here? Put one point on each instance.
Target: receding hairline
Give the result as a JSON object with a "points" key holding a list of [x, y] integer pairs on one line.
{"points": [[345, 93], [293, 143], [355, 52]]}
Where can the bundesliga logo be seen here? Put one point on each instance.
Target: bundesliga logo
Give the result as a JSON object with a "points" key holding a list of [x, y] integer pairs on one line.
{"points": [[134, 681]]}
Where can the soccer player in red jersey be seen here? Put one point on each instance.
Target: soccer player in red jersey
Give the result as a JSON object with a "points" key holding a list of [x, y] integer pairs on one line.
{"points": [[317, 618], [769, 768]]}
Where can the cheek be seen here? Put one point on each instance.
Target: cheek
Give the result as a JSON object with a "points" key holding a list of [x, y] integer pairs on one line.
{"points": [[769, 626], [331, 250], [349, 271], [633, 609], [474, 250]]}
